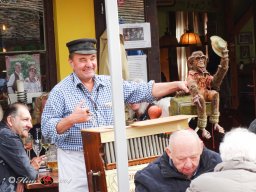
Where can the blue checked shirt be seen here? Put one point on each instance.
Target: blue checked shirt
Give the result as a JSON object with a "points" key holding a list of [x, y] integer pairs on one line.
{"points": [[66, 95]]}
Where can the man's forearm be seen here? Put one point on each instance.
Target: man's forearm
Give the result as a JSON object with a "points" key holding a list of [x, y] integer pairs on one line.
{"points": [[65, 124], [162, 89]]}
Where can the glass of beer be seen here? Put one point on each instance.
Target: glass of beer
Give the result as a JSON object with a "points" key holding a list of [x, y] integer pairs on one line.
{"points": [[51, 158], [52, 165]]}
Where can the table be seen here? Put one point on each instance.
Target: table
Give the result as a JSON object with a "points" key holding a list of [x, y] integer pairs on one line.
{"points": [[39, 187]]}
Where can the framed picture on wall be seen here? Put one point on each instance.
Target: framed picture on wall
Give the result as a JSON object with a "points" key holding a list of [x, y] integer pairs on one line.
{"points": [[245, 52], [24, 67], [136, 35], [245, 38]]}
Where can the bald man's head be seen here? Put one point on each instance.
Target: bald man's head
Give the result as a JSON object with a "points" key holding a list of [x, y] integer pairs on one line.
{"points": [[185, 149]]}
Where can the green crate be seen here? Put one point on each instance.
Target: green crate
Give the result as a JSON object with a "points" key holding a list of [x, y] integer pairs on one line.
{"points": [[184, 106]]}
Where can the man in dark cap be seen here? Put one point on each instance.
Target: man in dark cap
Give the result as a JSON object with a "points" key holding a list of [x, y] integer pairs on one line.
{"points": [[83, 100]]}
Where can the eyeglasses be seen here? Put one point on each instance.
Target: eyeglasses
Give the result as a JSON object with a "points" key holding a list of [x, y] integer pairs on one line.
{"points": [[32, 69], [200, 58]]}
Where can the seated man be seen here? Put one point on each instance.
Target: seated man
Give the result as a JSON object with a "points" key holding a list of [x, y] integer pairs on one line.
{"points": [[15, 165], [184, 159], [237, 172]]}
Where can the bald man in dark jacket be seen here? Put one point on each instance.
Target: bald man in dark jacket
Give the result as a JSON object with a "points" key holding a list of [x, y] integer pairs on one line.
{"points": [[185, 159]]}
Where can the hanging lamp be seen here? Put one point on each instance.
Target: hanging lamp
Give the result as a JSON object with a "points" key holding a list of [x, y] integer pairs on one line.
{"points": [[190, 38]]}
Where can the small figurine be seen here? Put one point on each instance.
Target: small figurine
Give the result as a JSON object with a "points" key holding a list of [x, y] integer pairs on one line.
{"points": [[204, 87]]}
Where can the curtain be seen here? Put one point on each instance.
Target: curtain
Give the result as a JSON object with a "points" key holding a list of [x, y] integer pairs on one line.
{"points": [[205, 19], [181, 21]]}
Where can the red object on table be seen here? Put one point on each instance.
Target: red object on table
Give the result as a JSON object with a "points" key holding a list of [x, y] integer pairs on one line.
{"points": [[154, 112]]}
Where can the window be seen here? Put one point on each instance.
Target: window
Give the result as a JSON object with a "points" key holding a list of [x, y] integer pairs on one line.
{"points": [[24, 38], [22, 26]]}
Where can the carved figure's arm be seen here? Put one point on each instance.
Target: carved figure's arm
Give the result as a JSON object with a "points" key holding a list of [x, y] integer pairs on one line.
{"points": [[193, 88], [192, 83], [221, 71]]}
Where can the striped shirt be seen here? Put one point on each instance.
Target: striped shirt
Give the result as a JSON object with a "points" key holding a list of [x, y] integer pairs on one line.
{"points": [[66, 95]]}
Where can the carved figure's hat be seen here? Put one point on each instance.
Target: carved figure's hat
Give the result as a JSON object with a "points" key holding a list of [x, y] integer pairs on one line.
{"points": [[218, 45]]}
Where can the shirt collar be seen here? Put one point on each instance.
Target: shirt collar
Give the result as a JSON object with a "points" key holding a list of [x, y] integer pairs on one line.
{"points": [[97, 81]]}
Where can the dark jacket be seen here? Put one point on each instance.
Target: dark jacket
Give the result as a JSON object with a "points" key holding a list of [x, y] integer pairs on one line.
{"points": [[14, 162], [160, 176]]}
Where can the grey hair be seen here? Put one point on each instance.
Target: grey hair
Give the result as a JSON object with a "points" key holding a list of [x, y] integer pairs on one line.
{"points": [[239, 143], [143, 105], [142, 109], [252, 126], [186, 132]]}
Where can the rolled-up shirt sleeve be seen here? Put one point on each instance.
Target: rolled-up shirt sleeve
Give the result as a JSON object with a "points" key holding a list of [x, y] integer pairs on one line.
{"points": [[52, 115], [138, 92]]}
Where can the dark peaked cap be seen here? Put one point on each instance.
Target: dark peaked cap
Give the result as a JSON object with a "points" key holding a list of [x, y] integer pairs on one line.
{"points": [[82, 46]]}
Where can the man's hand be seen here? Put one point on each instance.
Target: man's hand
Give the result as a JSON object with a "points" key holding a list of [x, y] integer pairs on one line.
{"points": [[37, 161], [183, 86], [80, 114], [225, 53]]}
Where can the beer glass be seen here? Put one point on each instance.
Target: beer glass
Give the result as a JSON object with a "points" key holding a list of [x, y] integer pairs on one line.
{"points": [[51, 158]]}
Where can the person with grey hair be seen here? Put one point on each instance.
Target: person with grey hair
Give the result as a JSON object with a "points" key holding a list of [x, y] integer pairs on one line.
{"points": [[252, 126], [17, 75], [183, 160], [237, 172], [138, 111]]}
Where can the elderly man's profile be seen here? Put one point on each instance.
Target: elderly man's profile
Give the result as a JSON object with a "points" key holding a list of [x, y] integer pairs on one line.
{"points": [[16, 75]]}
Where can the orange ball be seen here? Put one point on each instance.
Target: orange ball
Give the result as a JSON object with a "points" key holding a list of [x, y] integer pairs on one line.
{"points": [[154, 112]]}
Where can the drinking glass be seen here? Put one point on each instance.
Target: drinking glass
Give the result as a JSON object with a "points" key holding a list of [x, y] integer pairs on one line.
{"points": [[37, 146], [46, 142], [51, 158], [28, 142]]}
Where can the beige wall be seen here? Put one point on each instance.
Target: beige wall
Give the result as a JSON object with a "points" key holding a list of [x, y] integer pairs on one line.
{"points": [[72, 20]]}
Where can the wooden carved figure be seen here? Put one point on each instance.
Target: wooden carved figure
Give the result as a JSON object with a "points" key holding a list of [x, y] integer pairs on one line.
{"points": [[204, 87]]}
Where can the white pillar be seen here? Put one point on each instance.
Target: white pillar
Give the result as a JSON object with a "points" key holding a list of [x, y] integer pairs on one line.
{"points": [[118, 96]]}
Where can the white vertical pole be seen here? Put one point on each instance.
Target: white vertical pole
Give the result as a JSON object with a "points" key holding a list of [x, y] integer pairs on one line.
{"points": [[118, 96]]}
